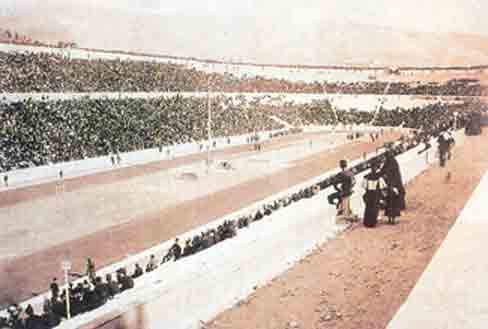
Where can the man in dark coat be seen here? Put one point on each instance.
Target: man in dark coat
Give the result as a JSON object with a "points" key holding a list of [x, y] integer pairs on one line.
{"points": [[54, 288], [393, 178], [34, 321], [138, 271], [395, 192], [113, 286], [444, 144]]}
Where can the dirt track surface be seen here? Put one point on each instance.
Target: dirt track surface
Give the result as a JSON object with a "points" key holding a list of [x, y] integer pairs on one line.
{"points": [[21, 276], [10, 197], [360, 279]]}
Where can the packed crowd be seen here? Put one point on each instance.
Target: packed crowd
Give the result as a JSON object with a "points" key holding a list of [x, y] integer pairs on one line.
{"points": [[84, 128], [318, 113], [383, 190], [420, 117], [67, 130], [43, 72], [426, 118]]}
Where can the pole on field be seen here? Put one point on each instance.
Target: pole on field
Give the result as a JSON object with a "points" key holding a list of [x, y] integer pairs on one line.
{"points": [[334, 110], [381, 102], [66, 266], [209, 123]]}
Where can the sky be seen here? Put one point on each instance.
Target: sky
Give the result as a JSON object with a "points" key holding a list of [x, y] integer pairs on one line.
{"points": [[466, 16], [253, 29]]}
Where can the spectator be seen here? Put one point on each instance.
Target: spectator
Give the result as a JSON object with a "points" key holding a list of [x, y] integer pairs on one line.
{"points": [[90, 269], [102, 290], [444, 141], [126, 282], [151, 265], [373, 185], [54, 289], [113, 286], [14, 320], [176, 249], [138, 271], [343, 186], [393, 177]]}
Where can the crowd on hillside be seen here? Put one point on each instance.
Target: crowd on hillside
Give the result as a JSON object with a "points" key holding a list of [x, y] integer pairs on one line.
{"points": [[43, 72], [92, 291]]}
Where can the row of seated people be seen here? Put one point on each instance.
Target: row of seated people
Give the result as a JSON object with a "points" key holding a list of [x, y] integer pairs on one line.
{"points": [[83, 297]]}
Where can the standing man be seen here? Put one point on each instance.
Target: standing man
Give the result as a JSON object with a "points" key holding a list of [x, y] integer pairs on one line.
{"points": [[443, 143], [90, 269], [54, 289], [451, 142]]}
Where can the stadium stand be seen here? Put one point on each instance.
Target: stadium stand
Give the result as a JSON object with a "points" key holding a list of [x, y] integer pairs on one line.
{"points": [[68, 130], [43, 72]]}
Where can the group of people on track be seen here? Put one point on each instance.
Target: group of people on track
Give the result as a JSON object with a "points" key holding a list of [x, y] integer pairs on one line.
{"points": [[383, 189], [383, 184]]}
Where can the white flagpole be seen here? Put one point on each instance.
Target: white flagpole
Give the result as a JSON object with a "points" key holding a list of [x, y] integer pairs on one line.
{"points": [[382, 101], [209, 123]]}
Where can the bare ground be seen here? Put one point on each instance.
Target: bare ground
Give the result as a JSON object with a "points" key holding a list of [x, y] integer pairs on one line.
{"points": [[360, 279]]}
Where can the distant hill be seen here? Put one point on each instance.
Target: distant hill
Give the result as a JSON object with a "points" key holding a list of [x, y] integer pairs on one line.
{"points": [[248, 38]]}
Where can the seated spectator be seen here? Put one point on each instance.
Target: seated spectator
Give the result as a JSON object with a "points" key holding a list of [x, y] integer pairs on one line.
{"points": [[138, 271], [34, 321], [125, 281], [151, 265], [258, 216], [113, 286], [101, 290], [188, 250], [14, 320]]}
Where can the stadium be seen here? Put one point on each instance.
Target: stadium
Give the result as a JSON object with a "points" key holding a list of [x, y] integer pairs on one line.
{"points": [[144, 190]]}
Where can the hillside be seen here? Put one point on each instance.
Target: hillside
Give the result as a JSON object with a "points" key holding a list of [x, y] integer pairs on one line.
{"points": [[318, 42]]}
